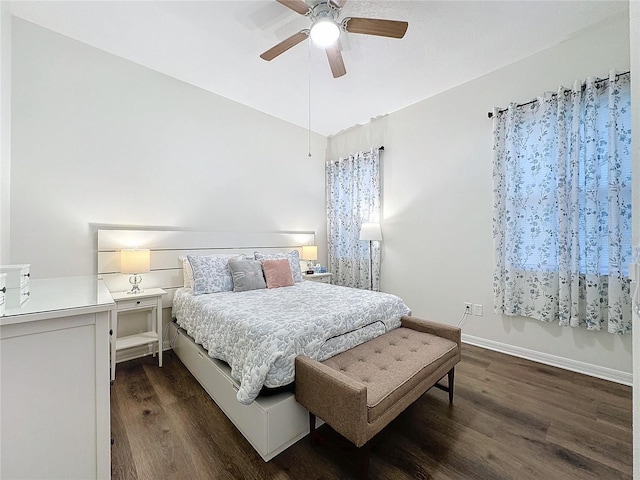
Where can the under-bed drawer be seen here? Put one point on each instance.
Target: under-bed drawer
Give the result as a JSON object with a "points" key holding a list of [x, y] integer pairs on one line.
{"points": [[270, 424]]}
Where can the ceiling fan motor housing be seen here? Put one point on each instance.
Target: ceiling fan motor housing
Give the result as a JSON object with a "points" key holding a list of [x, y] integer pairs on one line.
{"points": [[325, 30]]}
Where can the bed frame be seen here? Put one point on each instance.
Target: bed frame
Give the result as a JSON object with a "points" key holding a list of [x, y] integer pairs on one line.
{"points": [[270, 424]]}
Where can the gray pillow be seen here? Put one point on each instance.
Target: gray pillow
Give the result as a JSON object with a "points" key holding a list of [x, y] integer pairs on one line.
{"points": [[246, 275]]}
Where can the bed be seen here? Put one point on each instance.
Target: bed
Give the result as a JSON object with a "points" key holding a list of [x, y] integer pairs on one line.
{"points": [[260, 332], [313, 318]]}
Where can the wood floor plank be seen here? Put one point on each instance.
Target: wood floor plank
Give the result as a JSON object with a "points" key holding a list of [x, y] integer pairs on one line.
{"points": [[610, 420], [584, 440], [511, 419], [123, 466], [156, 450]]}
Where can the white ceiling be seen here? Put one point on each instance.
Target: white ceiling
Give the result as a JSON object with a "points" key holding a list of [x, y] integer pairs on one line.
{"points": [[215, 45]]}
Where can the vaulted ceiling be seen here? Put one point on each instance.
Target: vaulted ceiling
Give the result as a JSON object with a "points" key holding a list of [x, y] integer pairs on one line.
{"points": [[215, 45]]}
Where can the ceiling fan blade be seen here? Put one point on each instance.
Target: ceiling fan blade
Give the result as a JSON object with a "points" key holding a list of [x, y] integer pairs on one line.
{"points": [[374, 26], [338, 3], [285, 45], [335, 61], [296, 5]]}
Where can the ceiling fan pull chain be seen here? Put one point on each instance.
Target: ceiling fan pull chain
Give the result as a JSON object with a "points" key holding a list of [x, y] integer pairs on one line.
{"points": [[309, 90]]}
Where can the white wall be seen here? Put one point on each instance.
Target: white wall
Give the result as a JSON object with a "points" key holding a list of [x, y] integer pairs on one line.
{"points": [[5, 129], [437, 219], [101, 140]]}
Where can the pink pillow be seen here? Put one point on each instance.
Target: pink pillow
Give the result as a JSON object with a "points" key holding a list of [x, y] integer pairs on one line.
{"points": [[277, 273]]}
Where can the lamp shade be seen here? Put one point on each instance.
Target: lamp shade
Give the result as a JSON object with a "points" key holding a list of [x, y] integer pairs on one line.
{"points": [[309, 252], [135, 260], [370, 231]]}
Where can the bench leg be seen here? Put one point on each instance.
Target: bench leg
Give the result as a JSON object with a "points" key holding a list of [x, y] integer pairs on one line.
{"points": [[449, 387], [313, 435], [364, 454]]}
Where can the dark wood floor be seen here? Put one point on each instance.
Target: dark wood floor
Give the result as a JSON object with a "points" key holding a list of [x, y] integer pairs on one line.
{"points": [[511, 419]]}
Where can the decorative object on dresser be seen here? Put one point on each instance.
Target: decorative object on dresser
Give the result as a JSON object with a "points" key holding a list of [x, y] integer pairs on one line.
{"points": [[54, 364], [318, 277], [17, 283], [149, 300], [310, 254], [371, 232], [135, 261]]}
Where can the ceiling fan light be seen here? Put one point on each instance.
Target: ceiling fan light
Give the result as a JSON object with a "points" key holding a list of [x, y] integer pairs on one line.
{"points": [[324, 32]]}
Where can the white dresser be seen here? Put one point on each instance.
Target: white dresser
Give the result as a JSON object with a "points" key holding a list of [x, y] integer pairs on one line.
{"points": [[54, 371]]}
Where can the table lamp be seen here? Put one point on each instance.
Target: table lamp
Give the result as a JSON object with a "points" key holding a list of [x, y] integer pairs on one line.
{"points": [[135, 261], [310, 254]]}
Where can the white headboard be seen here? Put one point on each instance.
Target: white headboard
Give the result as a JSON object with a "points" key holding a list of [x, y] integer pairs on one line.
{"points": [[167, 245]]}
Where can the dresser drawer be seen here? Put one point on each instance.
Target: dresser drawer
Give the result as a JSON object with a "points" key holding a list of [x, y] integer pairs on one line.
{"points": [[136, 303], [15, 297]]}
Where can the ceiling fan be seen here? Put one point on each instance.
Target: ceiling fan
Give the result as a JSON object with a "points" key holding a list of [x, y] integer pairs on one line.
{"points": [[325, 30]]}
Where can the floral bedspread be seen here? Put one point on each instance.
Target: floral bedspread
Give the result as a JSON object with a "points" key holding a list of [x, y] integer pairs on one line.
{"points": [[260, 332]]}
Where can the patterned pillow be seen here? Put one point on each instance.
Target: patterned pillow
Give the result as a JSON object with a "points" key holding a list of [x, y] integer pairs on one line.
{"points": [[246, 275], [294, 261], [211, 274], [277, 273]]}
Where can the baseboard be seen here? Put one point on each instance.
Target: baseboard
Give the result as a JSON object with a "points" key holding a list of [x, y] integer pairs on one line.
{"points": [[604, 373]]}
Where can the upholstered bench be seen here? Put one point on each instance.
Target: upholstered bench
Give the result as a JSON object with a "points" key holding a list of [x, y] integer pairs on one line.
{"points": [[361, 390]]}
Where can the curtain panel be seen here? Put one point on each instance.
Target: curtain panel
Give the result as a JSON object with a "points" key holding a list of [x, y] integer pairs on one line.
{"points": [[353, 198], [562, 206]]}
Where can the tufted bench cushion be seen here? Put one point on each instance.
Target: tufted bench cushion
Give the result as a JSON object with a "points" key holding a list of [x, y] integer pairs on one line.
{"points": [[393, 365]]}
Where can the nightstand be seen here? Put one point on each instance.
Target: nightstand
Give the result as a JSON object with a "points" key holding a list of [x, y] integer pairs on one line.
{"points": [[318, 277], [150, 299]]}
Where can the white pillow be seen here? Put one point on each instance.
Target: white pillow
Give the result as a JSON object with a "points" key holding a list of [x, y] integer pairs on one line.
{"points": [[187, 272]]}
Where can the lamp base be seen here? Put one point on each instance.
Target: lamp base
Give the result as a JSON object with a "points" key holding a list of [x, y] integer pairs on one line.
{"points": [[135, 281]]}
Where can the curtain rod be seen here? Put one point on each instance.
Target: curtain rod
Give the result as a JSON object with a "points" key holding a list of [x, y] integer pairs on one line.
{"points": [[566, 90]]}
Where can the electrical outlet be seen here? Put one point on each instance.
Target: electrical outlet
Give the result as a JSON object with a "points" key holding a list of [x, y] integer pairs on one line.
{"points": [[468, 308], [477, 310]]}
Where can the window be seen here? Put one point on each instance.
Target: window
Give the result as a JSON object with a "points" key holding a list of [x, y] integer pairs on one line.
{"points": [[562, 206]]}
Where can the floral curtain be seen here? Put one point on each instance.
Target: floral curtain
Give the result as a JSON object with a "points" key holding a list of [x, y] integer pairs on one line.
{"points": [[562, 206], [353, 198]]}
